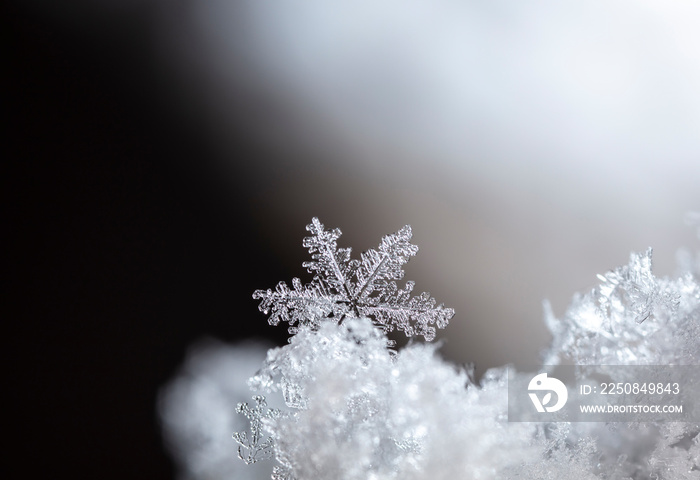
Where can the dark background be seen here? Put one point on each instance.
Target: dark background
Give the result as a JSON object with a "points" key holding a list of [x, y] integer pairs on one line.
{"points": [[123, 248]]}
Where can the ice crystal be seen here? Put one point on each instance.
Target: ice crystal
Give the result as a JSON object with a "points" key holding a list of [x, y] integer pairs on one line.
{"points": [[344, 287], [632, 317], [633, 290], [256, 449]]}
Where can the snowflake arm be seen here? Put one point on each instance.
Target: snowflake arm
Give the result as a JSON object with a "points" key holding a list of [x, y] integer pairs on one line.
{"points": [[301, 305], [331, 266], [412, 315], [378, 267]]}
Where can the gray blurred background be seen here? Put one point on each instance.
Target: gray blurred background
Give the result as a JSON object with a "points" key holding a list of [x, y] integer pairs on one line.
{"points": [[171, 153], [530, 145]]}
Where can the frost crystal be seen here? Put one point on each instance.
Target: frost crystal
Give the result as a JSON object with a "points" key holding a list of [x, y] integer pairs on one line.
{"points": [[342, 287], [255, 448], [632, 317]]}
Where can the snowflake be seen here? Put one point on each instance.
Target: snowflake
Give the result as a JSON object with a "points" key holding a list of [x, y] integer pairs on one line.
{"points": [[255, 448], [344, 287]]}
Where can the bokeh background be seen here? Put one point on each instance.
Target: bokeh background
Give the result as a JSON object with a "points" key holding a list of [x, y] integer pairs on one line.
{"points": [[164, 158]]}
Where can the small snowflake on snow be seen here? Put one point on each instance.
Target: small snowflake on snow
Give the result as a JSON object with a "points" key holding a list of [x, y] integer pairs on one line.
{"points": [[252, 448], [344, 287]]}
